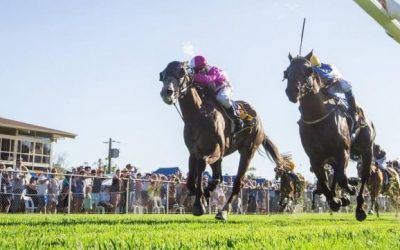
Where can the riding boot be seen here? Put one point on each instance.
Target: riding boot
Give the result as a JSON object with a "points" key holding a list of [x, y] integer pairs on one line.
{"points": [[236, 119]]}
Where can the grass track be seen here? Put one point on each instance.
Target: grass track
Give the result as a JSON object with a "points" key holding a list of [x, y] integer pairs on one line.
{"points": [[305, 231]]}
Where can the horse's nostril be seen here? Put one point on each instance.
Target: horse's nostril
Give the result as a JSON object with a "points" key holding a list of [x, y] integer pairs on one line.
{"points": [[169, 91]]}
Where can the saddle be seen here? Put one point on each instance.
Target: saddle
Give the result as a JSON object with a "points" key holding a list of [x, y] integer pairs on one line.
{"points": [[248, 120], [354, 125]]}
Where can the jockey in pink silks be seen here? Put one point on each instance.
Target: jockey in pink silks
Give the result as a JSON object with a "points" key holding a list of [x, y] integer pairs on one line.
{"points": [[216, 79]]}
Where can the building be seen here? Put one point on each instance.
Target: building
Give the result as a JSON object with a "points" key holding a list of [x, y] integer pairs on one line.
{"points": [[30, 143]]}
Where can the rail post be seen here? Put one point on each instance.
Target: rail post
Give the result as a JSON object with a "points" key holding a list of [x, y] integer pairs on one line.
{"points": [[167, 197], [127, 197], [69, 194]]}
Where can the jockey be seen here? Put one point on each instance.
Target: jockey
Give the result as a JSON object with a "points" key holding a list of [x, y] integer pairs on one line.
{"points": [[217, 80], [335, 83], [379, 157]]}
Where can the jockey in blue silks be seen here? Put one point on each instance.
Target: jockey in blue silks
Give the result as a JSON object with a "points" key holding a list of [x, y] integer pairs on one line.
{"points": [[331, 76]]}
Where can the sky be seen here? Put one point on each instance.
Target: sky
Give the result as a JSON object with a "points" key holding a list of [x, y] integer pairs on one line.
{"points": [[92, 67]]}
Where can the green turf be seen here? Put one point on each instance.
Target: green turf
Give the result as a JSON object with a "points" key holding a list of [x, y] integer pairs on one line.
{"points": [[306, 231]]}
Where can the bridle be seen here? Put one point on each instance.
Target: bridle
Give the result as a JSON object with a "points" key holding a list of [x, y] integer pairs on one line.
{"points": [[306, 87], [184, 83]]}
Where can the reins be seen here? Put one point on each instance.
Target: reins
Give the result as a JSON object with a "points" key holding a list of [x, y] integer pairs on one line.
{"points": [[305, 90], [181, 91]]}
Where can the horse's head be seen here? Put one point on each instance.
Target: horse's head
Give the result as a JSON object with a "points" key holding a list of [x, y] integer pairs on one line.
{"points": [[299, 75], [175, 78]]}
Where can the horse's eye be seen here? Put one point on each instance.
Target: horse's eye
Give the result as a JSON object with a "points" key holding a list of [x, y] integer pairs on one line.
{"points": [[285, 74]]}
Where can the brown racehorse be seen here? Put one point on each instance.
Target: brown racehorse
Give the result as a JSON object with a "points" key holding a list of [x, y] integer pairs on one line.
{"points": [[291, 189], [208, 136], [325, 133], [375, 187]]}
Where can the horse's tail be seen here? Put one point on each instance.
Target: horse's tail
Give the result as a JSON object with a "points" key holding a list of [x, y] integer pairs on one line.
{"points": [[272, 152]]}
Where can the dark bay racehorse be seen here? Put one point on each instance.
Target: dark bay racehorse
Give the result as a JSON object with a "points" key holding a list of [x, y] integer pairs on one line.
{"points": [[207, 135], [375, 187], [325, 133]]}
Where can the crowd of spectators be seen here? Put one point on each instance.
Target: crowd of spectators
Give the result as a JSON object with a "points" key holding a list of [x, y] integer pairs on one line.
{"points": [[87, 190]]}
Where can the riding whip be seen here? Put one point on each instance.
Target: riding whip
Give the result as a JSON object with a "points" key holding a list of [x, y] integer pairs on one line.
{"points": [[302, 34]]}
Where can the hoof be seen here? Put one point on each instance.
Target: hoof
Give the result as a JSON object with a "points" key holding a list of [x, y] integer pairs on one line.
{"points": [[198, 210], [361, 215], [221, 215], [345, 201], [370, 212], [335, 204]]}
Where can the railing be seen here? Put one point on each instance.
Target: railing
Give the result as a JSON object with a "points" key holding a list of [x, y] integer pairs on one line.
{"points": [[58, 194]]}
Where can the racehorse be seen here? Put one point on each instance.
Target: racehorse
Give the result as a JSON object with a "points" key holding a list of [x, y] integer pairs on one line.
{"points": [[376, 187], [208, 136], [325, 133], [292, 189]]}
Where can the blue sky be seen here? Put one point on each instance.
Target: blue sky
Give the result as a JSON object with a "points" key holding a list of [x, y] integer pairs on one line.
{"points": [[91, 68]]}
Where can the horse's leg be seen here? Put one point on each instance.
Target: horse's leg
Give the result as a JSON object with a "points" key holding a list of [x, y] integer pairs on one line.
{"points": [[376, 207], [365, 174], [198, 207], [245, 158], [316, 191], [334, 203], [372, 207], [282, 204], [216, 178], [340, 166], [191, 179]]}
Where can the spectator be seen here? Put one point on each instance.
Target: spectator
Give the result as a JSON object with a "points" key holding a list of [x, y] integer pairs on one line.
{"points": [[115, 190], [97, 182], [18, 186], [53, 192], [64, 195], [5, 188], [153, 191], [145, 187], [78, 188], [88, 201], [31, 191], [104, 199], [124, 185], [138, 189], [42, 190]]}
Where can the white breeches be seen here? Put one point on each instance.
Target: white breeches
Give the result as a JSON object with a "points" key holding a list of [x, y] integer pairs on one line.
{"points": [[224, 97]]}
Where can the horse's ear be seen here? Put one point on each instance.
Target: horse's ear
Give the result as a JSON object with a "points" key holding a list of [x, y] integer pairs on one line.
{"points": [[161, 77], [309, 55], [290, 57]]}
